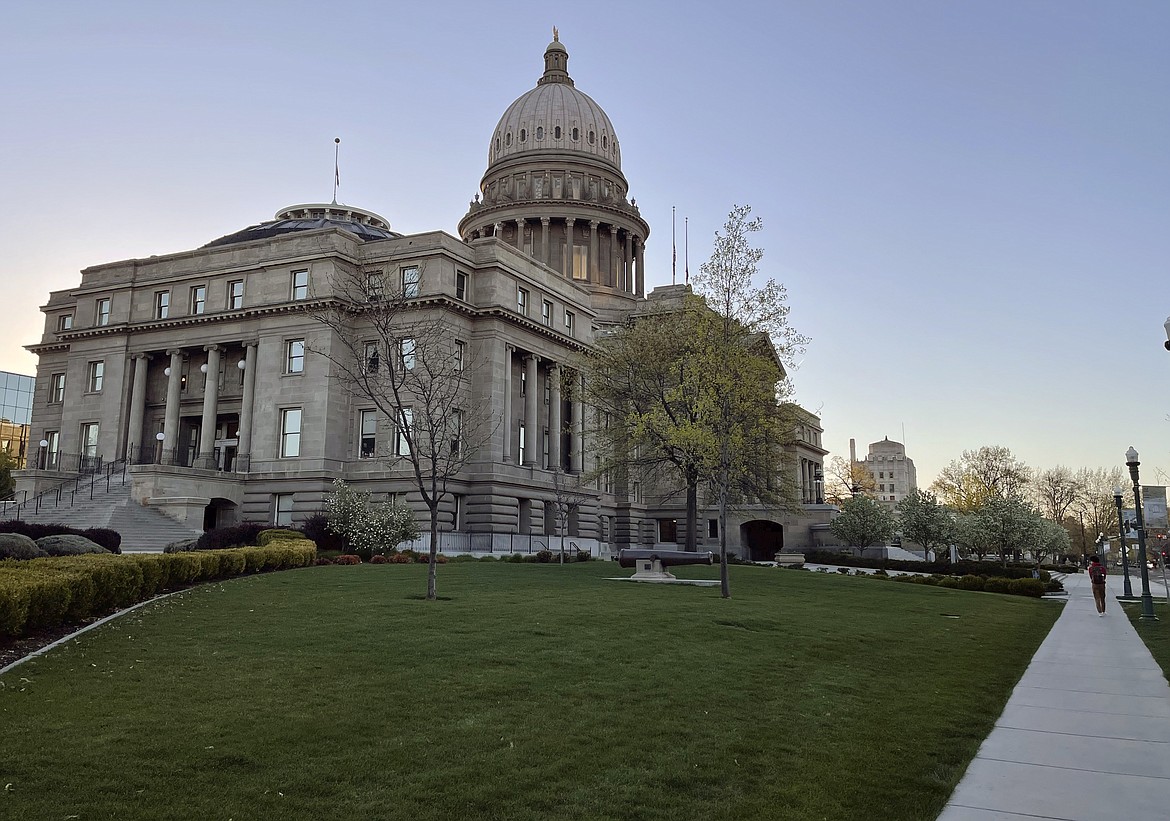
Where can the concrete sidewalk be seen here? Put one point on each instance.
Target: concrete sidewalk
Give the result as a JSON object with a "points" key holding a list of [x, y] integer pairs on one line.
{"points": [[1085, 735]]}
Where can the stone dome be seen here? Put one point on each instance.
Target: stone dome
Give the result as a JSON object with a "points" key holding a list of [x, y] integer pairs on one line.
{"points": [[555, 117], [366, 225]]}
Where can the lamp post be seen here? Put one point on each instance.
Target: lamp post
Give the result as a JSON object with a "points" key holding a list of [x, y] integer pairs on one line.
{"points": [[44, 443], [1131, 460], [1124, 548], [819, 482], [160, 436]]}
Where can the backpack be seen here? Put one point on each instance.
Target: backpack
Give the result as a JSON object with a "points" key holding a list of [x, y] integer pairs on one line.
{"points": [[1097, 574]]}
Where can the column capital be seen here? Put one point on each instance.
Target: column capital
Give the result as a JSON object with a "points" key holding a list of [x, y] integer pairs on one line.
{"points": [[545, 221], [532, 357], [213, 347], [174, 351], [593, 224], [140, 355]]}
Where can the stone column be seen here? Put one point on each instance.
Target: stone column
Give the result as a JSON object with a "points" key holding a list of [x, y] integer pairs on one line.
{"points": [[578, 424], [628, 263], [544, 221], [498, 230], [613, 256], [594, 264], [567, 254], [520, 234], [554, 417], [640, 286], [206, 458], [244, 445], [507, 426], [171, 416], [531, 420], [137, 409]]}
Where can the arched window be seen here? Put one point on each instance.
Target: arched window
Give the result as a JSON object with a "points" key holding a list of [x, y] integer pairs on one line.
{"points": [[605, 141], [591, 136], [523, 134], [540, 132], [557, 133], [576, 134], [508, 138]]}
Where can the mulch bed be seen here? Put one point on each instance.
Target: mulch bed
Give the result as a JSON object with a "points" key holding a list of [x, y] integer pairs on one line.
{"points": [[13, 649]]}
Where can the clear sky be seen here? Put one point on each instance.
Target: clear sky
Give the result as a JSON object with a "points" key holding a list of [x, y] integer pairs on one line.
{"points": [[969, 202]]}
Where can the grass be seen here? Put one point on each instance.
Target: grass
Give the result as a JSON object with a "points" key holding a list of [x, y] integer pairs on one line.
{"points": [[532, 692], [1156, 634]]}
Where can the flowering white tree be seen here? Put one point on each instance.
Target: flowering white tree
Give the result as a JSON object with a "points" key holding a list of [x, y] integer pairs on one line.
{"points": [[369, 528]]}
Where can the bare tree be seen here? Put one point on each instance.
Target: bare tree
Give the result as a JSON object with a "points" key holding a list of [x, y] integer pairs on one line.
{"points": [[1056, 490], [568, 497], [845, 478], [391, 350], [969, 483]]}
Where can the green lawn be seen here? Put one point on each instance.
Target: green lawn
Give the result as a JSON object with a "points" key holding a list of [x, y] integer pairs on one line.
{"points": [[531, 692], [1156, 634]]}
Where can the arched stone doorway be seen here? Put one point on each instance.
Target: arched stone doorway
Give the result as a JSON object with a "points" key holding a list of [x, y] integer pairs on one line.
{"points": [[762, 539], [220, 512]]}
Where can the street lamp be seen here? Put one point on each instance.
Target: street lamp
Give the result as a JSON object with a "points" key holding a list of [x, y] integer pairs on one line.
{"points": [[1167, 326], [819, 481], [41, 455], [160, 436], [1131, 460], [1124, 548]]}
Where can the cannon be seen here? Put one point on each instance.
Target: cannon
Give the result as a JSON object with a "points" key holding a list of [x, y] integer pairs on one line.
{"points": [[650, 564]]}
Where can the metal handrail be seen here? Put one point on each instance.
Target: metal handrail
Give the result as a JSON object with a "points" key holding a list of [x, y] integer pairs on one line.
{"points": [[93, 472]]}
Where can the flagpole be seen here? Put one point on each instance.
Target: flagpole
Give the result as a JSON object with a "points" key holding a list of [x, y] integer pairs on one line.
{"points": [[687, 247], [336, 167], [673, 251]]}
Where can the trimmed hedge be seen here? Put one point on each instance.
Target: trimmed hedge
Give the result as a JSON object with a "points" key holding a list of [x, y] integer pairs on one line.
{"points": [[49, 592], [1012, 587], [960, 568]]}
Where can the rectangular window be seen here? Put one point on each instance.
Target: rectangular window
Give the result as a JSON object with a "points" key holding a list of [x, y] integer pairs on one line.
{"points": [[544, 451], [65, 322], [89, 439], [96, 373], [520, 439], [102, 312], [369, 434], [235, 297], [402, 443], [580, 262], [410, 278], [371, 357], [52, 450], [162, 304], [57, 388], [570, 319], [460, 355], [523, 384], [282, 508], [712, 528], [198, 299], [294, 360], [406, 352], [455, 428], [375, 286], [522, 301], [290, 432], [546, 312], [460, 285], [300, 285]]}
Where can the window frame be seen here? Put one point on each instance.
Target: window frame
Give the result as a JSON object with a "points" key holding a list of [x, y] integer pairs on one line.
{"points": [[162, 304], [65, 322], [405, 423], [546, 312], [290, 439], [294, 363], [56, 388], [235, 301], [101, 312], [198, 300], [462, 281], [95, 374], [87, 445], [408, 352], [369, 437], [280, 507], [371, 359], [570, 321], [410, 278], [460, 355], [298, 290], [522, 300], [375, 286]]}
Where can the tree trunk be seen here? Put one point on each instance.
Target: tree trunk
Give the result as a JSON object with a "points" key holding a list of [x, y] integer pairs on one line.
{"points": [[724, 479], [692, 511], [431, 594]]}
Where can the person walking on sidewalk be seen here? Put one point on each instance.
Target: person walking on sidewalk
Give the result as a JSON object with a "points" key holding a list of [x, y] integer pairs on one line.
{"points": [[1097, 579]]}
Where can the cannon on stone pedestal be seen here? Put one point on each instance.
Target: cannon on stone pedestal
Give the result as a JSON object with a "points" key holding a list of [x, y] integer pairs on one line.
{"points": [[650, 564]]}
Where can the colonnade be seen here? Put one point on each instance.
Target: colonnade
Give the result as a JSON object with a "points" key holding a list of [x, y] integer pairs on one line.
{"points": [[531, 419]]}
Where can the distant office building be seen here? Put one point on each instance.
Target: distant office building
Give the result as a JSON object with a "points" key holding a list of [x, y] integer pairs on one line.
{"points": [[16, 393], [893, 472]]}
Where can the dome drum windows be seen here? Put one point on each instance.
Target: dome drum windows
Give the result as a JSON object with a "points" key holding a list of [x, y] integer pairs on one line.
{"points": [[592, 137], [508, 138], [575, 134], [523, 135], [540, 132], [556, 132]]}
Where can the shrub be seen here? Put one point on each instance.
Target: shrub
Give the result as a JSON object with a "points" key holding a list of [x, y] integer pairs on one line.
{"points": [[843, 571], [400, 558], [111, 540], [881, 574], [488, 558], [1027, 587], [67, 544], [369, 528], [971, 582], [323, 560], [348, 559], [243, 534], [267, 537], [19, 546], [316, 529], [379, 559], [583, 556], [232, 562], [181, 546], [997, 584], [950, 582]]}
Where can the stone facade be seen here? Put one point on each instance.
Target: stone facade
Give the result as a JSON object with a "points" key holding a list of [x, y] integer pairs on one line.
{"points": [[892, 470], [207, 371]]}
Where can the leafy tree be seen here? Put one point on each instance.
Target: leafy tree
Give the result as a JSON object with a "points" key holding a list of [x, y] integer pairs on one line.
{"points": [[863, 523], [968, 483], [1095, 509], [367, 527], [392, 350], [972, 536], [745, 318], [923, 519], [1053, 541], [1011, 524], [8, 463], [843, 476]]}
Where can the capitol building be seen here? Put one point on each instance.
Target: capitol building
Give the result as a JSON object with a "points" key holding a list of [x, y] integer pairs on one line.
{"points": [[203, 370]]}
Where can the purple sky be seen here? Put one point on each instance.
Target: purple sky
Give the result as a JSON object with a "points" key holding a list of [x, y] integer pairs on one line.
{"points": [[969, 202]]}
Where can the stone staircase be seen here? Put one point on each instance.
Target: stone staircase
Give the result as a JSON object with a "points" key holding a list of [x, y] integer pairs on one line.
{"points": [[143, 530]]}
